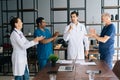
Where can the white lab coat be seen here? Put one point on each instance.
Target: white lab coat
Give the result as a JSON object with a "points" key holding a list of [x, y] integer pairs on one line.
{"points": [[19, 55], [77, 41]]}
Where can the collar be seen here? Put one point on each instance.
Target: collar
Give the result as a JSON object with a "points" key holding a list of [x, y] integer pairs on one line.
{"points": [[18, 31], [75, 24]]}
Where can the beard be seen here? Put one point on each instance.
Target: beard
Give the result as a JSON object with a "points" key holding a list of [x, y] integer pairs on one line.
{"points": [[103, 23]]}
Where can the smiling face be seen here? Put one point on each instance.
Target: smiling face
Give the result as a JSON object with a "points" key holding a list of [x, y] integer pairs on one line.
{"points": [[19, 23], [43, 23], [74, 18], [106, 18]]}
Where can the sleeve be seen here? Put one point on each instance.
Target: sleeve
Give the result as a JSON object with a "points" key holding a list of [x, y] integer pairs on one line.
{"points": [[37, 33], [22, 44], [110, 31], [86, 41], [66, 35], [30, 43]]}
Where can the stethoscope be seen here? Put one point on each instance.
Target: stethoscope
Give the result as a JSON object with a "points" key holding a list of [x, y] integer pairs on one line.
{"points": [[80, 27], [18, 33]]}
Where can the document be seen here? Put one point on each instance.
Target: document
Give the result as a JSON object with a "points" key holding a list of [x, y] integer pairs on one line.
{"points": [[64, 61], [81, 62], [88, 63]]}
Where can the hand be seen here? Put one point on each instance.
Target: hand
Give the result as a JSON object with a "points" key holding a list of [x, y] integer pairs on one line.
{"points": [[56, 34], [37, 39], [70, 28], [92, 31], [86, 53], [90, 35], [40, 38]]}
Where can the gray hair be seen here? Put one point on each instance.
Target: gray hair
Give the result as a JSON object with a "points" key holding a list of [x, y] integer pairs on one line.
{"points": [[106, 15]]}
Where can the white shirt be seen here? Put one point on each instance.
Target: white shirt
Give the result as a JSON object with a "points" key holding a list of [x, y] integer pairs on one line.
{"points": [[77, 41], [19, 55]]}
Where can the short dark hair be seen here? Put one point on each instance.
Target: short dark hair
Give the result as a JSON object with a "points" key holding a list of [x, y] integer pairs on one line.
{"points": [[74, 12], [39, 20], [13, 21]]}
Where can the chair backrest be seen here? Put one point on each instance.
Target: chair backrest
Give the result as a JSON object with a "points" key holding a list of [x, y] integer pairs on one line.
{"points": [[116, 69]]}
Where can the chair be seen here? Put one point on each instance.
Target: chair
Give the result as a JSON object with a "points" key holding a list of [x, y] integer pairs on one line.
{"points": [[32, 60], [93, 56], [116, 69]]}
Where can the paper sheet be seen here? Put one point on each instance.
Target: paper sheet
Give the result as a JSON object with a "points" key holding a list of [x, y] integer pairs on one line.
{"points": [[64, 61], [88, 63], [81, 62]]}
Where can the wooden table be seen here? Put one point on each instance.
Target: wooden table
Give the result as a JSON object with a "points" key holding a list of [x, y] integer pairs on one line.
{"points": [[79, 73]]}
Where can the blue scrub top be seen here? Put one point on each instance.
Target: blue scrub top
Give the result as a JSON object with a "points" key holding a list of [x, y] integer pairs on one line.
{"points": [[107, 47], [43, 50]]}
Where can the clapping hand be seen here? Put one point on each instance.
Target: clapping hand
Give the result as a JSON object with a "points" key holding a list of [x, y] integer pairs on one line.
{"points": [[37, 39], [92, 32], [56, 34], [40, 38]]}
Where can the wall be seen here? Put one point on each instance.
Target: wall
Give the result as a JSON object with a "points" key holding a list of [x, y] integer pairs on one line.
{"points": [[93, 13], [61, 16], [11, 5], [0, 26], [44, 11]]}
